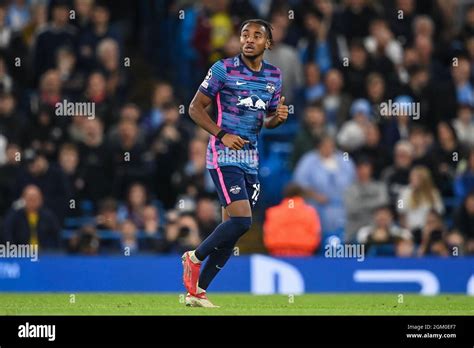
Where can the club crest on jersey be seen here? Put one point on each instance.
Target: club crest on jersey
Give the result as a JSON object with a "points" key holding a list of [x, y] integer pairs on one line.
{"points": [[235, 189], [252, 102], [270, 87]]}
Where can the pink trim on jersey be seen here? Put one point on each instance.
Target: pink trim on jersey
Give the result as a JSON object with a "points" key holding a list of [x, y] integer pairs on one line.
{"points": [[214, 152]]}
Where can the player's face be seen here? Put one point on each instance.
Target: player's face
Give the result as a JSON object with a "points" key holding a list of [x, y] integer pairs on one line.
{"points": [[253, 40]]}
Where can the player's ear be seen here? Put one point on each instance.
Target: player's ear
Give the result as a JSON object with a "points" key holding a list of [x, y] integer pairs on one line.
{"points": [[268, 44]]}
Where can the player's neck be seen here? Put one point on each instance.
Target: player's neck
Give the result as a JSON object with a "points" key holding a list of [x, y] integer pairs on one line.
{"points": [[254, 64]]}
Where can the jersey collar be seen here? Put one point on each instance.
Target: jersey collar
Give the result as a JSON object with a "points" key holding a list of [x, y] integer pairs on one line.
{"points": [[260, 72]]}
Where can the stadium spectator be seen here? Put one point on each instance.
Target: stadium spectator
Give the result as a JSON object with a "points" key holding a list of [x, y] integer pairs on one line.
{"points": [[292, 228], [181, 232], [85, 241], [461, 74], [286, 58], [326, 174], [351, 136], [58, 33], [418, 199], [215, 30], [403, 29], [134, 208], [421, 140], [94, 159], [31, 222], [464, 221], [313, 127], [405, 247], [128, 238], [72, 78], [206, 215], [433, 235], [151, 220], [12, 121], [464, 125], [317, 45], [129, 158], [18, 14], [38, 21], [44, 132], [336, 102], [356, 69], [52, 182], [373, 150], [8, 174], [128, 112], [382, 237], [355, 17], [50, 91], [84, 10], [375, 91], [385, 52], [7, 83], [447, 153], [162, 95], [195, 177], [108, 56], [313, 90], [397, 128], [96, 92], [169, 146], [99, 29], [464, 181], [396, 176], [361, 198], [107, 217], [68, 160]]}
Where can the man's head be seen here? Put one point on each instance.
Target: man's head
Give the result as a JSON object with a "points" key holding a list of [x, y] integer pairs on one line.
{"points": [[314, 116], [255, 37], [60, 13], [383, 216], [403, 154], [37, 163], [469, 203], [364, 170], [68, 157], [206, 210], [326, 146], [33, 198], [101, 14]]}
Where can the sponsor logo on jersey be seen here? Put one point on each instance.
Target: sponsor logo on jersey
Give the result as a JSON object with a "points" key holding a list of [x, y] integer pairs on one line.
{"points": [[252, 102], [235, 189]]}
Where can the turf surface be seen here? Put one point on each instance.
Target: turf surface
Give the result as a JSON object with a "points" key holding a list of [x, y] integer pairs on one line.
{"points": [[233, 304]]}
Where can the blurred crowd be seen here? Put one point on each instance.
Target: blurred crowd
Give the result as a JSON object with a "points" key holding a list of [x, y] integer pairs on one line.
{"points": [[131, 177]]}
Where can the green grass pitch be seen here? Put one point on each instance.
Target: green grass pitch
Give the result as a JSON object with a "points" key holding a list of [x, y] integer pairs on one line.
{"points": [[234, 304]]}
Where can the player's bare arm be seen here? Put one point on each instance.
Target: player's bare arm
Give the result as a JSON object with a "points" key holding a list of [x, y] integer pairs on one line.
{"points": [[278, 117], [198, 113]]}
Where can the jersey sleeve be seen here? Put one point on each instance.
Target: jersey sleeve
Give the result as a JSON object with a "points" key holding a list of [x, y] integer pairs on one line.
{"points": [[214, 80], [276, 96]]}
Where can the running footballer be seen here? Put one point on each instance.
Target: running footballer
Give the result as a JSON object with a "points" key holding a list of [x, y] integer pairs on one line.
{"points": [[246, 91]]}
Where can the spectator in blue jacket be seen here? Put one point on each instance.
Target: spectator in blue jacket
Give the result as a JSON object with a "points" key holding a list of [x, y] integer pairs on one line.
{"points": [[326, 173]]}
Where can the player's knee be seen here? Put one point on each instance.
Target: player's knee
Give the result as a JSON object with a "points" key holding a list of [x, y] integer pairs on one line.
{"points": [[243, 223]]}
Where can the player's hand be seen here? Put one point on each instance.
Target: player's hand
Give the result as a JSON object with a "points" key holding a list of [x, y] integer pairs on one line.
{"points": [[281, 111], [234, 141]]}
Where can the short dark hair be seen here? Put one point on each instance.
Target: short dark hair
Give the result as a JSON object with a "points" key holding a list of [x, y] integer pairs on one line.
{"points": [[293, 190], [268, 27]]}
